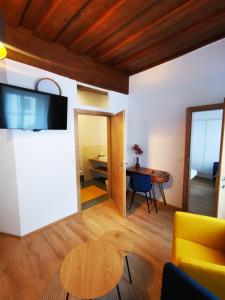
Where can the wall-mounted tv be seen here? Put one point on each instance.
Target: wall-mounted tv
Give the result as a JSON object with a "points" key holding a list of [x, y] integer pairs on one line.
{"points": [[26, 109]]}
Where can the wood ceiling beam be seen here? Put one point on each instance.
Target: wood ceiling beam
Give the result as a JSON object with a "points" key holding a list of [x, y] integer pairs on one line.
{"points": [[193, 38], [35, 12], [115, 18], [13, 10], [76, 44], [82, 21], [26, 48], [56, 18], [149, 16], [178, 20]]}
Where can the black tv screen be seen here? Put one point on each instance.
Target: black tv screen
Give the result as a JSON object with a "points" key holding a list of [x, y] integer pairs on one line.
{"points": [[22, 108]]}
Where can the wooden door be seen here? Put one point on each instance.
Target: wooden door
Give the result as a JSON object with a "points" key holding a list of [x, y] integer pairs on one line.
{"points": [[221, 177], [118, 166]]}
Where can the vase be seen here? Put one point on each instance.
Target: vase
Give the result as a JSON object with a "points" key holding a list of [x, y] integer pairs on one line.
{"points": [[137, 165]]}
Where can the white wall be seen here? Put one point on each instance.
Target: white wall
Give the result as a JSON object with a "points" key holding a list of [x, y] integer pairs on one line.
{"points": [[92, 130], [37, 174], [157, 104], [44, 162], [9, 208]]}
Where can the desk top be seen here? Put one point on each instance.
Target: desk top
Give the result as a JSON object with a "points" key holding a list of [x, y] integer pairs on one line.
{"points": [[91, 270], [157, 175]]}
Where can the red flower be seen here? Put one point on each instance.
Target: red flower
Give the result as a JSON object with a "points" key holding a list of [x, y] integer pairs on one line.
{"points": [[137, 149]]}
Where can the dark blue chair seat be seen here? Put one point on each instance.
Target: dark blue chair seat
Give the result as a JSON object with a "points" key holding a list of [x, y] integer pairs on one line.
{"points": [[215, 171], [177, 285], [215, 168], [142, 184]]}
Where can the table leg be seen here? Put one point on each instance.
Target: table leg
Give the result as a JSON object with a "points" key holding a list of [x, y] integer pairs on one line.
{"points": [[128, 268], [160, 186], [118, 291], [67, 296], [155, 204], [154, 197]]}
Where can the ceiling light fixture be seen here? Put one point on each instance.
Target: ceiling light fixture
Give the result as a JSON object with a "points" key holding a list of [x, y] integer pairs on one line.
{"points": [[3, 51]]}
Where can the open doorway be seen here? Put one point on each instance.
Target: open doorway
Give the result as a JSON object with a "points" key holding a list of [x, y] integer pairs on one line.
{"points": [[93, 160], [113, 166], [203, 144], [100, 152]]}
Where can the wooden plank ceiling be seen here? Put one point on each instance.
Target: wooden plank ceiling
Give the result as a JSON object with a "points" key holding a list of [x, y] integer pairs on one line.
{"points": [[110, 39]]}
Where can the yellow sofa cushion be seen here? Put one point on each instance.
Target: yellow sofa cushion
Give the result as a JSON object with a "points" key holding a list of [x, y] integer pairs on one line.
{"points": [[209, 275], [188, 249], [199, 250], [203, 230]]}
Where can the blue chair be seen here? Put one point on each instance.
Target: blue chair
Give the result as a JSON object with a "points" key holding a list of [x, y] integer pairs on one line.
{"points": [[215, 171], [143, 184], [177, 285]]}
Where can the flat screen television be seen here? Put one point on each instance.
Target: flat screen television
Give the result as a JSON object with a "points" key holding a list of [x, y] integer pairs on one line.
{"points": [[26, 109]]}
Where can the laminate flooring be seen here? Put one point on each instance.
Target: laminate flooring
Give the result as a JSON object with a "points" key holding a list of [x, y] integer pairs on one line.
{"points": [[202, 197], [28, 264]]}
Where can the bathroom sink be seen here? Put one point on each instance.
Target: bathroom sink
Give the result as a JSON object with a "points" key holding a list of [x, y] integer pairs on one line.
{"points": [[103, 158]]}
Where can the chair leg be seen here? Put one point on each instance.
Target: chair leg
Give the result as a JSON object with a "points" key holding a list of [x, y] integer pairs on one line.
{"points": [[132, 199], [147, 202], [128, 268], [128, 189], [150, 197], [67, 296], [156, 210], [118, 291]]}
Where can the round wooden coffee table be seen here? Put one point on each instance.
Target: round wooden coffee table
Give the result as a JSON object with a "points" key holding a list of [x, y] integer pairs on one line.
{"points": [[92, 269], [123, 242]]}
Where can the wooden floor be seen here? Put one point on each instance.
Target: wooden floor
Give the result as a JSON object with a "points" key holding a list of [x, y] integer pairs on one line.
{"points": [[27, 265], [91, 192], [202, 197]]}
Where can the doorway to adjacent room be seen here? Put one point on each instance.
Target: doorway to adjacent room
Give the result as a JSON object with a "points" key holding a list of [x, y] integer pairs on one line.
{"points": [[93, 160], [100, 157], [202, 160]]}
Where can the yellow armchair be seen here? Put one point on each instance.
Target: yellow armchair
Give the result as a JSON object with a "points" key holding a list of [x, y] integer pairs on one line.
{"points": [[199, 249]]}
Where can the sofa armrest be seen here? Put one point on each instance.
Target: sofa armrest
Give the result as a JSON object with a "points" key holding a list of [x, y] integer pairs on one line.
{"points": [[211, 276], [204, 230]]}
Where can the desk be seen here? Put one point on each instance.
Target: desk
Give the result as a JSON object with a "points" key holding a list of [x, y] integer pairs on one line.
{"points": [[158, 177], [91, 270]]}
